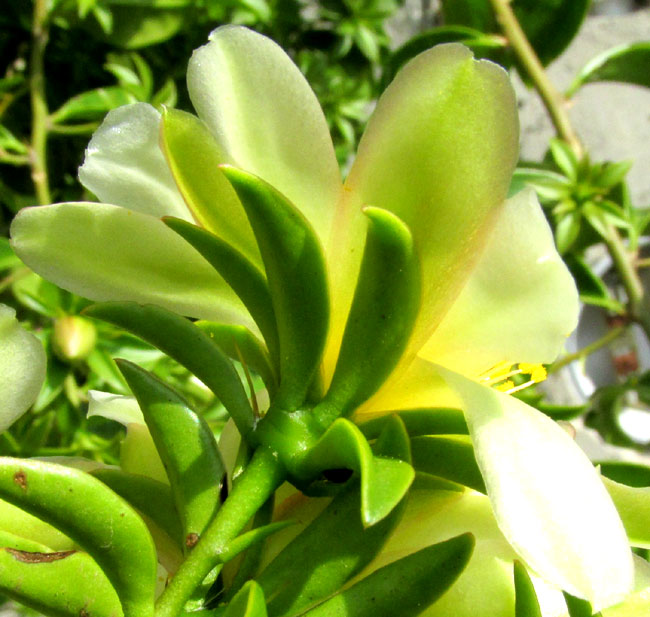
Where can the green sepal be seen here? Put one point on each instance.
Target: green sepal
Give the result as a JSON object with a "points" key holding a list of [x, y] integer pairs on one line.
{"points": [[433, 421], [631, 474], [335, 546], [60, 584], [450, 457], [186, 447], [194, 156], [245, 278], [297, 278], [248, 602], [180, 339], [577, 607], [384, 481], [633, 506], [405, 587], [150, 497], [526, 603], [385, 304], [102, 523], [242, 345]]}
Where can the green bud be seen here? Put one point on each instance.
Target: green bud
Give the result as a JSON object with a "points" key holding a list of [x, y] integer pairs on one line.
{"points": [[73, 338]]}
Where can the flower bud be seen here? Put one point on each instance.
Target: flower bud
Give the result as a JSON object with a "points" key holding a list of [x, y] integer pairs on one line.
{"points": [[73, 338]]}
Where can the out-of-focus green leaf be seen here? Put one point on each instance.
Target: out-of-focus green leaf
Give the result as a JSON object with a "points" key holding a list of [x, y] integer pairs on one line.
{"points": [[564, 158], [591, 287], [577, 606], [631, 474], [92, 105], [476, 14], [249, 602], [633, 505], [39, 295], [567, 230], [8, 259], [549, 185], [526, 603], [9, 143], [90, 513], [405, 587], [625, 63]]}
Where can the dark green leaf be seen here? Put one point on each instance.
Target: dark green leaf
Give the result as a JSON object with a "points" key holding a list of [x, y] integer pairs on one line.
{"points": [[577, 606], [526, 603], [385, 305], [182, 340], [295, 269], [626, 63], [405, 587], [591, 287], [8, 259], [434, 421], [476, 14], [246, 280], [632, 474], [186, 447], [97, 519], [449, 457]]}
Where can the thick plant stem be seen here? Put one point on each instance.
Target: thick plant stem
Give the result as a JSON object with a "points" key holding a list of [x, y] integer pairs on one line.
{"points": [[551, 97], [625, 266], [256, 484], [40, 114]]}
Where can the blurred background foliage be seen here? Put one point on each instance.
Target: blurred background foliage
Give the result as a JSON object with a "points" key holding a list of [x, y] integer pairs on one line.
{"points": [[66, 63]]}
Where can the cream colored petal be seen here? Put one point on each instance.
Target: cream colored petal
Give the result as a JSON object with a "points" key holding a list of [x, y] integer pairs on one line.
{"points": [[547, 497], [105, 252], [439, 152], [122, 409], [519, 304], [22, 368], [125, 166], [266, 117]]}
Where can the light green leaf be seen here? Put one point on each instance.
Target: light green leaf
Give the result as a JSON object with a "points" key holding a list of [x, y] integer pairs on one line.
{"points": [[22, 366], [633, 505], [92, 104], [249, 602], [526, 604]]}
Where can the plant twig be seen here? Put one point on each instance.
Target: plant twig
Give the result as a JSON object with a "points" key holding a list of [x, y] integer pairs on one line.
{"points": [[73, 129], [38, 151], [553, 100], [605, 340]]}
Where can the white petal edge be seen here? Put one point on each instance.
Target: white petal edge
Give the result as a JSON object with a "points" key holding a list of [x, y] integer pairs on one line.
{"points": [[104, 252], [117, 407], [519, 304], [124, 164], [547, 497], [266, 117], [22, 368]]}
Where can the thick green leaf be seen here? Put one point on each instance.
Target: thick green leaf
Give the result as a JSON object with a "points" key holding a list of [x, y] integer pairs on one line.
{"points": [[186, 447], [242, 345], [249, 602], [449, 457], [295, 269], [591, 287], [194, 156], [245, 278], [385, 305], [434, 421], [625, 63], [62, 584], [182, 340], [577, 606], [405, 587], [631, 474], [335, 546], [633, 505], [92, 105], [152, 498], [526, 603], [384, 481], [93, 516]]}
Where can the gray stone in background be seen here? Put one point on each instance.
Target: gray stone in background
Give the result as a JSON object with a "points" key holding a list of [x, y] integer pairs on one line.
{"points": [[612, 119]]}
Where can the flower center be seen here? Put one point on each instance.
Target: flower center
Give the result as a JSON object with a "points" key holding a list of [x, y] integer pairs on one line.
{"points": [[500, 376]]}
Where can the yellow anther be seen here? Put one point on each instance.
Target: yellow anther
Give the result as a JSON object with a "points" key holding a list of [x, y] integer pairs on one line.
{"points": [[537, 372], [506, 386], [499, 376]]}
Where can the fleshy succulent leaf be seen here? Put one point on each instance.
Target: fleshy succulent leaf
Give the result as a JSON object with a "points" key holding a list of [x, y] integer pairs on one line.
{"points": [[526, 603], [102, 523], [248, 602], [182, 340], [433, 421], [633, 505], [295, 270]]}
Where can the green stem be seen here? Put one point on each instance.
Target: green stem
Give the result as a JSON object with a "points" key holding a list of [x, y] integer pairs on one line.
{"points": [[624, 263], [605, 340], [553, 100], [73, 129], [38, 153], [13, 159], [254, 486]]}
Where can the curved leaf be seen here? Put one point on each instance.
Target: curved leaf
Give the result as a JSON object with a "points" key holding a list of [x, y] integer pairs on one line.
{"points": [[433, 421], [180, 339], [295, 269], [186, 446], [96, 518], [404, 587], [249, 602], [625, 63], [246, 280], [385, 304], [343, 445], [633, 506], [526, 603]]}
